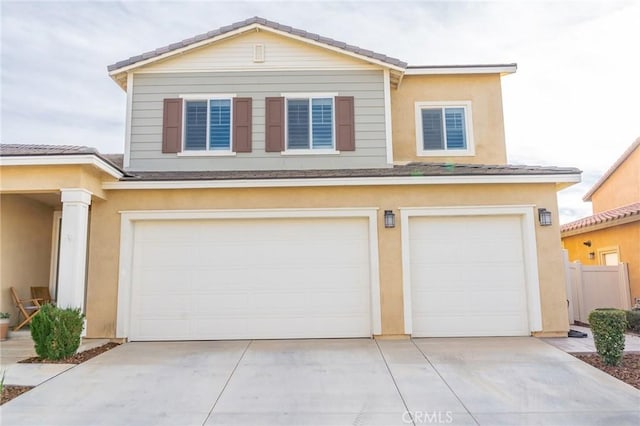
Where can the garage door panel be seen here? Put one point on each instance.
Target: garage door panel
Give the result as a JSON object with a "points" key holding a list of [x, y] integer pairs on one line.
{"points": [[458, 326], [258, 278], [467, 276]]}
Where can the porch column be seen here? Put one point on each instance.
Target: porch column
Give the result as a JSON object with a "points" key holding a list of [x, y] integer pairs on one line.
{"points": [[73, 247]]}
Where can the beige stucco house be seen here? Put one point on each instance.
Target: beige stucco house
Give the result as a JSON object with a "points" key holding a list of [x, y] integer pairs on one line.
{"points": [[612, 234], [279, 184]]}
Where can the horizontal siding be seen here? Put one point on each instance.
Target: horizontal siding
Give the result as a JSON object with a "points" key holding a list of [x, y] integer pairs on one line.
{"points": [[149, 90], [237, 54]]}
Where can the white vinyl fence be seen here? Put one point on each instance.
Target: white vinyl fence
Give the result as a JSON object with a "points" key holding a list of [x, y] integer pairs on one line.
{"points": [[591, 287]]}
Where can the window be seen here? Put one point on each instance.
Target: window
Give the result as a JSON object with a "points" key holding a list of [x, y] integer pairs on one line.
{"points": [[207, 125], [310, 123], [444, 128]]}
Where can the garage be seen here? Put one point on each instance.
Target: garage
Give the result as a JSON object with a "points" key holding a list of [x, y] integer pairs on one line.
{"points": [[253, 278], [468, 276]]}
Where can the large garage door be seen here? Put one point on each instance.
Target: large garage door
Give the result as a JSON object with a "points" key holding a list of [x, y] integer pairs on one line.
{"points": [[467, 276], [254, 278]]}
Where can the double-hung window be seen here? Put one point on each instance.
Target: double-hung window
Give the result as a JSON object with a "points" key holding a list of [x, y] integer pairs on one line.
{"points": [[444, 128], [207, 124], [310, 123]]}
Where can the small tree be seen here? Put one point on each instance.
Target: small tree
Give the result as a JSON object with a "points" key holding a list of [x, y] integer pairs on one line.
{"points": [[56, 331], [608, 326]]}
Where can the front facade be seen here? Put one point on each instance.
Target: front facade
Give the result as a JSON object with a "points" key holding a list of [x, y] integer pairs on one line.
{"points": [[278, 184], [612, 234]]}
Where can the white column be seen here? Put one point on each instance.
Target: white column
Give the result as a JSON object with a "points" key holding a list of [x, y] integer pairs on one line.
{"points": [[73, 247]]}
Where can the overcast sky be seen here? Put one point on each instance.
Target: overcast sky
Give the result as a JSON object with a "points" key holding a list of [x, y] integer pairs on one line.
{"points": [[575, 100]]}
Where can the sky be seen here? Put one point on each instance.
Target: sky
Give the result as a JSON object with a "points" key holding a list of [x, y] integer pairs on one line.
{"points": [[574, 101]]}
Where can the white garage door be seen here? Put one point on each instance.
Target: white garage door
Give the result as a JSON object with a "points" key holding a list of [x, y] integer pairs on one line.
{"points": [[467, 276], [254, 278]]}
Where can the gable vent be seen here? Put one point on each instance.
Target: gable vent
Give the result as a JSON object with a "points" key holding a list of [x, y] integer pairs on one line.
{"points": [[258, 53]]}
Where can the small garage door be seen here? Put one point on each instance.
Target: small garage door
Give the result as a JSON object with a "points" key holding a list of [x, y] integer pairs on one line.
{"points": [[250, 279], [467, 276]]}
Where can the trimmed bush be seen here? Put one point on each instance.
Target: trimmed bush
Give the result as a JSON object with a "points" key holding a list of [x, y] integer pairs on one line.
{"points": [[56, 331], [608, 327], [633, 319]]}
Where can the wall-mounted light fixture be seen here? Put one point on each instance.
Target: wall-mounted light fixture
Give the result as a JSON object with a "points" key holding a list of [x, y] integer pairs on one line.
{"points": [[587, 243], [592, 255], [389, 219], [544, 216]]}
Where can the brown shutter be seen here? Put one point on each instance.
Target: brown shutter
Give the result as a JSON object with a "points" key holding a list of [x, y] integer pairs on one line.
{"points": [[172, 126], [274, 124], [241, 124], [345, 127]]}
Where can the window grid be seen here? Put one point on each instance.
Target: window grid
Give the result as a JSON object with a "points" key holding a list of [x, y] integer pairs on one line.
{"points": [[310, 123], [207, 125]]}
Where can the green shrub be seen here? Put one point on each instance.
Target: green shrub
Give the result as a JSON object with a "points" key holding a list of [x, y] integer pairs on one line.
{"points": [[633, 319], [608, 327], [56, 331]]}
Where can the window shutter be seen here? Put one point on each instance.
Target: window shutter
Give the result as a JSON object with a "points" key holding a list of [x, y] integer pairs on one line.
{"points": [[274, 124], [242, 124], [345, 127], [172, 126]]}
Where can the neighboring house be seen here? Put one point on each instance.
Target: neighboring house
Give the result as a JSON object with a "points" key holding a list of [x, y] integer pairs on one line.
{"points": [[279, 184], [612, 234]]}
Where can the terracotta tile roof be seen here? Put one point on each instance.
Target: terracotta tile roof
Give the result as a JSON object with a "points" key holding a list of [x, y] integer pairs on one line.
{"points": [[412, 169], [603, 217], [619, 161], [269, 24]]}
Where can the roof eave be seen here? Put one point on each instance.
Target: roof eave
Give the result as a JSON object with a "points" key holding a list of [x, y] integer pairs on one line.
{"points": [[612, 169], [602, 225], [117, 73], [502, 69]]}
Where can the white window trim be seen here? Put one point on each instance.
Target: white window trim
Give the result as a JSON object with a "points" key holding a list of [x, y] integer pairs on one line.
{"points": [[207, 152], [468, 118], [310, 151]]}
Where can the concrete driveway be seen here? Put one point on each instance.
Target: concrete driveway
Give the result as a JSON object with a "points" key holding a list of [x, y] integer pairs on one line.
{"points": [[330, 382]]}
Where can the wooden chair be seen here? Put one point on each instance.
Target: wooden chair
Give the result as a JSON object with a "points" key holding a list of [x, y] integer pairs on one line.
{"points": [[42, 293], [28, 308]]}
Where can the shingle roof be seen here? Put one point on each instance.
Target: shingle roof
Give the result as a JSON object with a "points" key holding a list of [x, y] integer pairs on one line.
{"points": [[619, 161], [412, 169], [603, 217], [261, 21], [26, 150], [9, 150]]}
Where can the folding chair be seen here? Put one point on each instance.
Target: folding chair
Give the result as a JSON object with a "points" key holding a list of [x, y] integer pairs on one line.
{"points": [[28, 308], [43, 294]]}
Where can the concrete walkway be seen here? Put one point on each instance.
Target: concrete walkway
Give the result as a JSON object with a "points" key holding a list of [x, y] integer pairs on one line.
{"points": [[330, 382], [20, 346], [586, 344]]}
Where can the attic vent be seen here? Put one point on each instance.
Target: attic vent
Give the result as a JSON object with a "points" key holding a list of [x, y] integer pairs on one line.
{"points": [[258, 53]]}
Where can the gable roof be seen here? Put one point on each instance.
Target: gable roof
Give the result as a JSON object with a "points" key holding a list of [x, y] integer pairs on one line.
{"points": [[604, 219], [612, 169], [116, 70]]}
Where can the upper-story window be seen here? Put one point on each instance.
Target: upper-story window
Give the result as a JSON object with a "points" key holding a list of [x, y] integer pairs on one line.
{"points": [[310, 122], [444, 128], [207, 124]]}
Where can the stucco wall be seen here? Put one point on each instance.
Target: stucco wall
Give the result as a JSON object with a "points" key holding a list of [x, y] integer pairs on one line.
{"points": [[105, 235], [485, 93], [625, 237], [621, 188], [25, 250]]}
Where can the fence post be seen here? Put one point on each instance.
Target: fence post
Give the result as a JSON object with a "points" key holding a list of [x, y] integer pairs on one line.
{"points": [[568, 286], [623, 282]]}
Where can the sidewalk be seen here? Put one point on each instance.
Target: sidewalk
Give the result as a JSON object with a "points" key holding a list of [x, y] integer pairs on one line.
{"points": [[573, 344], [19, 346]]}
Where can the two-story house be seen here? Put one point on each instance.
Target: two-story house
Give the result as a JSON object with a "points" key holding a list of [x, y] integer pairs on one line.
{"points": [[612, 234], [279, 184]]}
